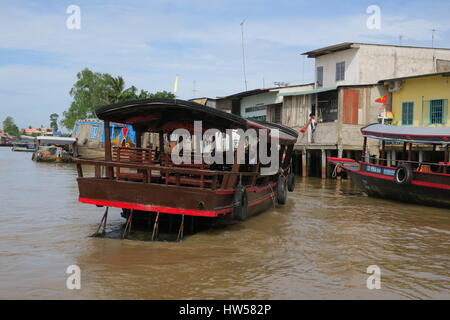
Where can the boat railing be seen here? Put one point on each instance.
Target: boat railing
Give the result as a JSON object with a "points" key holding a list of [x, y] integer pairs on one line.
{"points": [[422, 166], [168, 175], [133, 155]]}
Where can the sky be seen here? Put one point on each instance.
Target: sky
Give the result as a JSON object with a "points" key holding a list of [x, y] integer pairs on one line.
{"points": [[149, 42]]}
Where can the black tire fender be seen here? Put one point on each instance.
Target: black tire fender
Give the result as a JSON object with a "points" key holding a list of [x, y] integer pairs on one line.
{"points": [[240, 203], [291, 181], [282, 189], [403, 174]]}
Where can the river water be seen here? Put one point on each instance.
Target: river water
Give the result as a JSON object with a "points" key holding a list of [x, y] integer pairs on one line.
{"points": [[318, 245]]}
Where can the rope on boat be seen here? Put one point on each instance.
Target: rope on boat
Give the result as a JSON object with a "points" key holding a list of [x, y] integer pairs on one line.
{"points": [[337, 167]]}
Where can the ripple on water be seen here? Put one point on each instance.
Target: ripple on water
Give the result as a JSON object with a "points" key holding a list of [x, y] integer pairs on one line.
{"points": [[318, 245]]}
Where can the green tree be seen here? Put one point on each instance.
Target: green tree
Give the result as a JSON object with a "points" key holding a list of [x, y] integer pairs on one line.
{"points": [[94, 89], [54, 121], [10, 127], [162, 95]]}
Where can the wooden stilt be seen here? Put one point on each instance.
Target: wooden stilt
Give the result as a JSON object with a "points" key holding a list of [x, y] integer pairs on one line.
{"points": [[304, 164], [102, 224], [191, 231], [155, 227], [128, 225], [181, 230], [324, 163]]}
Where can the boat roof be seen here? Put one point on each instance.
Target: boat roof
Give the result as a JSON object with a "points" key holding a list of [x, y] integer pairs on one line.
{"points": [[56, 140], [435, 135], [169, 114]]}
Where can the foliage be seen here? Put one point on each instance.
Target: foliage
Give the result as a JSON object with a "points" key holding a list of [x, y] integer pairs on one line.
{"points": [[10, 127], [54, 121], [94, 89]]}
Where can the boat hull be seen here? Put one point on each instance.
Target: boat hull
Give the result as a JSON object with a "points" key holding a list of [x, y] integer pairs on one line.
{"points": [[171, 199], [418, 191]]}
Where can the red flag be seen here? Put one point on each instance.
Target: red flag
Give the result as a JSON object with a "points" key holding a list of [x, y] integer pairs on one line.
{"points": [[124, 132], [382, 99]]}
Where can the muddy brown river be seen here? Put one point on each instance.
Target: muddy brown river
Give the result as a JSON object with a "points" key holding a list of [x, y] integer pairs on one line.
{"points": [[318, 245]]}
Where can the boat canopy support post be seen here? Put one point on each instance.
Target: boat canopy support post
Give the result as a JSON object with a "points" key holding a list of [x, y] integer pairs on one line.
{"points": [[102, 225], [446, 158], [410, 152], [108, 152], [139, 138], [383, 153], [364, 150]]}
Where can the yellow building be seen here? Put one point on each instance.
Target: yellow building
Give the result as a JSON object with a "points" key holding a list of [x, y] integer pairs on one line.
{"points": [[420, 101]]}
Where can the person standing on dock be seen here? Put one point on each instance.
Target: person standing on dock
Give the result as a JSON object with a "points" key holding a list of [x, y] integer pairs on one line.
{"points": [[313, 120]]}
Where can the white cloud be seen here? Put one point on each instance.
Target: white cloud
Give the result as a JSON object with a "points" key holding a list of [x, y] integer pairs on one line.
{"points": [[148, 47]]}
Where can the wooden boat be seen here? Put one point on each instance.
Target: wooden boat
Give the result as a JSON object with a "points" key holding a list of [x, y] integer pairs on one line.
{"points": [[90, 137], [54, 149], [143, 180], [426, 183], [23, 147]]}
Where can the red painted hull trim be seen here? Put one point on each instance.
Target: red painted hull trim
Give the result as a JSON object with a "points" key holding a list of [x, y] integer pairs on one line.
{"points": [[143, 207]]}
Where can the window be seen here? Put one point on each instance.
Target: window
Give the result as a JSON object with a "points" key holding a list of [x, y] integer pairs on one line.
{"points": [[319, 77], [407, 113], [255, 108], [340, 71], [94, 131], [276, 114], [436, 111], [259, 118]]}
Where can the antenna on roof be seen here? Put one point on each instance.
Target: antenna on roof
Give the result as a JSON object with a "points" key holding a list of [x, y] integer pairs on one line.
{"points": [[432, 37], [281, 84], [400, 38]]}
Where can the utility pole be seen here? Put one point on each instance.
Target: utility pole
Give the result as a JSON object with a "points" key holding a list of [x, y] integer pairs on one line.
{"points": [[303, 69], [400, 39], [243, 54]]}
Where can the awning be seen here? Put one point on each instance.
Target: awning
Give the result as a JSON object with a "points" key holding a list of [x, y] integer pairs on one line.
{"points": [[301, 93], [435, 135], [56, 140]]}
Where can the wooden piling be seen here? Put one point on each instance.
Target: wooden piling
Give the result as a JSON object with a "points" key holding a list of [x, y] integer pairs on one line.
{"points": [[304, 164]]}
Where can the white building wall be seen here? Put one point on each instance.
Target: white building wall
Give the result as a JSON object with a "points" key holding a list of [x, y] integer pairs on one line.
{"points": [[368, 64], [383, 62], [328, 62], [256, 100]]}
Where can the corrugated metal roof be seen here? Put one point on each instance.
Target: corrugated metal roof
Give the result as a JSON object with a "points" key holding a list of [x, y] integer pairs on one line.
{"points": [[301, 93], [349, 45]]}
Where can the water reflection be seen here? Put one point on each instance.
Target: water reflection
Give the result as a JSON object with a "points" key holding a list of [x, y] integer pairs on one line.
{"points": [[318, 245]]}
